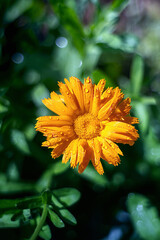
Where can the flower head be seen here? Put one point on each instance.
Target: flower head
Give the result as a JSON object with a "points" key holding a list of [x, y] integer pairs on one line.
{"points": [[89, 123]]}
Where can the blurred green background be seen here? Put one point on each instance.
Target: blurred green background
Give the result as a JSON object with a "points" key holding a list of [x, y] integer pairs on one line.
{"points": [[43, 42]]}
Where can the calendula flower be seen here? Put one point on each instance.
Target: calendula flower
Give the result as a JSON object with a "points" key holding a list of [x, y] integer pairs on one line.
{"points": [[89, 123]]}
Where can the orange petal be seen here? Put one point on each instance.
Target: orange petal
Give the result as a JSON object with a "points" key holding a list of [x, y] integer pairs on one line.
{"points": [[74, 152], [107, 94], [78, 92], [120, 132], [98, 166], [56, 105], [67, 153], [88, 93], [96, 102], [95, 155], [107, 109], [97, 150], [101, 85], [86, 159], [81, 150], [65, 131], [114, 146], [54, 121], [130, 120], [59, 149], [108, 152], [69, 97]]}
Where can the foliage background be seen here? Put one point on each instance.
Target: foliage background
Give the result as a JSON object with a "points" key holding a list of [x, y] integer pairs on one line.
{"points": [[42, 42]]}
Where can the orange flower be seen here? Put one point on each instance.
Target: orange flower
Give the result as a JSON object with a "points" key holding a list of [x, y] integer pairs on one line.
{"points": [[89, 122]]}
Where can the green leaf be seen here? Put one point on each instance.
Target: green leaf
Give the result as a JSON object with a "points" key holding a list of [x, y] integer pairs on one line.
{"points": [[98, 74], [29, 132], [119, 5], [55, 219], [45, 233], [137, 71], [67, 196], [144, 216], [27, 214], [91, 175], [38, 93], [67, 216], [126, 43], [56, 203], [46, 178], [23, 203], [18, 139], [17, 9], [142, 112], [6, 222], [13, 187], [3, 91], [69, 20]]}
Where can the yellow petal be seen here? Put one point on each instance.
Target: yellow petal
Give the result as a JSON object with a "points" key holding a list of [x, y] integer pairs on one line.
{"points": [[56, 121], [109, 107], [108, 153], [78, 92], [67, 153], [88, 90], [86, 159], [96, 102], [56, 105], [101, 85], [120, 132], [114, 146], [69, 98], [81, 150], [59, 149], [98, 166]]}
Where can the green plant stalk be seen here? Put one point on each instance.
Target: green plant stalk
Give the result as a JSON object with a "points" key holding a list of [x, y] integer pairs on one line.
{"points": [[40, 224]]}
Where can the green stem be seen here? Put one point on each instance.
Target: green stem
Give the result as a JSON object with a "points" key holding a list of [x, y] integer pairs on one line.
{"points": [[40, 224]]}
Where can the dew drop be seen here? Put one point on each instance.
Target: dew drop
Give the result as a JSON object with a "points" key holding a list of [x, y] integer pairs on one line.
{"points": [[86, 90], [67, 93], [87, 81]]}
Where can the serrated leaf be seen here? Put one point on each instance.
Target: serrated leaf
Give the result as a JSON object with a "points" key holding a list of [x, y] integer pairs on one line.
{"points": [[55, 219], [137, 70], [144, 216], [45, 233], [67, 196], [67, 216]]}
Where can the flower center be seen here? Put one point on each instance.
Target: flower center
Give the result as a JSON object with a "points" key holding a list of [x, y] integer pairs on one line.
{"points": [[87, 126]]}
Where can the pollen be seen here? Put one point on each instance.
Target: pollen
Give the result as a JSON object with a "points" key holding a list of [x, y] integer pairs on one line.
{"points": [[87, 126]]}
